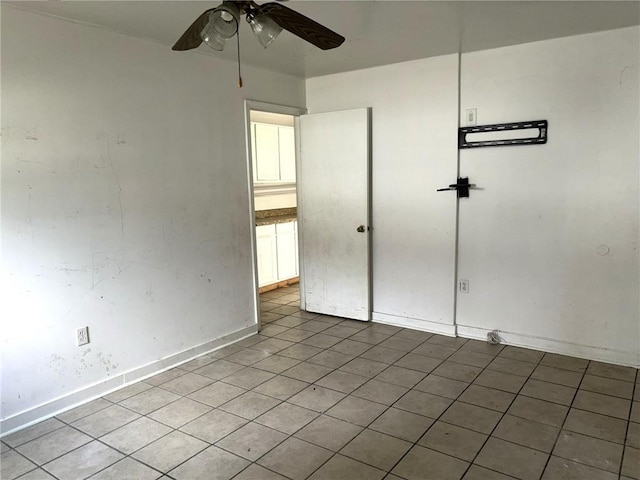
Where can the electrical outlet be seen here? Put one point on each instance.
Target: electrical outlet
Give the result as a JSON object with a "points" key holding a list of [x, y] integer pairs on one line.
{"points": [[463, 285], [82, 336], [471, 117]]}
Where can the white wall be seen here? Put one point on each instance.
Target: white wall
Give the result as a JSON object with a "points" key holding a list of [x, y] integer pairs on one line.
{"points": [[124, 207], [414, 133], [550, 246], [269, 202]]}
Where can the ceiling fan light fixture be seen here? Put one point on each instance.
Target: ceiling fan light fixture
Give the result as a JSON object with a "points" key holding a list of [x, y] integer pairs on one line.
{"points": [[264, 28], [222, 25]]}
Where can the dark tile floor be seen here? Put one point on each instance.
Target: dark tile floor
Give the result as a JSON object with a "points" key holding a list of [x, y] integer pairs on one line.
{"points": [[324, 398]]}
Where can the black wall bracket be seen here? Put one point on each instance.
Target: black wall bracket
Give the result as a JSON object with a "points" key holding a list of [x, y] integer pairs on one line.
{"points": [[541, 125]]}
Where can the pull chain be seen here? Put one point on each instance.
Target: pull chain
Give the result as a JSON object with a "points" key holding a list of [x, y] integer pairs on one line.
{"points": [[239, 74]]}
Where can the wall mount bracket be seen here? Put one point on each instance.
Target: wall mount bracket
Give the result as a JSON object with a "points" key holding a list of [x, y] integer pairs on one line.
{"points": [[541, 125]]}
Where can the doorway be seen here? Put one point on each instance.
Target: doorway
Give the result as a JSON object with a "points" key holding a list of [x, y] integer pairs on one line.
{"points": [[271, 154]]}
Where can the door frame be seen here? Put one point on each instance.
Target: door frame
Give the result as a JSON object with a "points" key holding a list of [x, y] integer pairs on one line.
{"points": [[271, 108]]}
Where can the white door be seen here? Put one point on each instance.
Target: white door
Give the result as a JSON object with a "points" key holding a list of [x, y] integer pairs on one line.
{"points": [[334, 186]]}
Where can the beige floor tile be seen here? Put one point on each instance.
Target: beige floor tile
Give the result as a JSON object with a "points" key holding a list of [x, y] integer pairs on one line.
{"points": [[527, 433], [596, 425], [229, 349], [331, 359], [250, 405], [31, 433], [276, 364], [589, 451], [341, 331], [383, 354], [197, 363], [442, 386], [431, 406], [300, 351], [329, 432], [356, 410], [53, 444], [77, 413], [560, 376], [422, 463], [483, 347], [217, 393], [539, 411], [149, 400], [249, 341], [256, 472], [294, 334], [512, 366], [272, 330], [401, 424], [248, 356], [290, 322], [476, 472], [252, 441], [563, 361], [37, 474], [344, 382], [248, 378], [487, 397], [457, 371], [321, 340], [165, 376], [456, 441], [635, 412], [521, 354], [435, 351], [414, 334], [210, 464], [563, 469], [105, 421], [631, 463], [127, 469], [475, 359], [221, 368], [285, 458], [170, 451], [281, 387], [500, 381], [633, 435], [12, 465], [616, 372], [607, 386], [135, 435], [83, 462], [369, 336], [364, 367], [213, 426], [550, 392], [187, 383], [472, 417], [380, 392], [417, 362], [180, 412], [314, 326], [307, 372], [511, 459], [445, 341], [287, 418], [402, 344], [376, 449], [604, 404], [351, 347], [4, 448], [128, 391], [343, 468], [317, 398], [272, 345], [403, 377]]}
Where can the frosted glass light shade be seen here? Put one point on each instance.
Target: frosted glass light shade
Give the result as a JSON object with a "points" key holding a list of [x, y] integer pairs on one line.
{"points": [[223, 24], [264, 28]]}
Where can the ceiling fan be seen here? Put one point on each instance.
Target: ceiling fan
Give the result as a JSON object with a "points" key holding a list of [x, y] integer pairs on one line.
{"points": [[217, 25]]}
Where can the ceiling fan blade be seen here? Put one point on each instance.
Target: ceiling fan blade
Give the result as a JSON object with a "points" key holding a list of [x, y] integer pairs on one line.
{"points": [[302, 26], [191, 37]]}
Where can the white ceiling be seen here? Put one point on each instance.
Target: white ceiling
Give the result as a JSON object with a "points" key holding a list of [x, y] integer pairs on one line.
{"points": [[377, 32]]}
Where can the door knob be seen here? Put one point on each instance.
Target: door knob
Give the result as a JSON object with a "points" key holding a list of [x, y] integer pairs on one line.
{"points": [[462, 187], [360, 229]]}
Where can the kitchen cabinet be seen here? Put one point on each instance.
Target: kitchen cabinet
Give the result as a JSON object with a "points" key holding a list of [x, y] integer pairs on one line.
{"points": [[277, 246], [274, 159]]}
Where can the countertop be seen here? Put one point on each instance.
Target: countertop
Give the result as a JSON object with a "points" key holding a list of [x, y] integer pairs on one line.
{"points": [[277, 215]]}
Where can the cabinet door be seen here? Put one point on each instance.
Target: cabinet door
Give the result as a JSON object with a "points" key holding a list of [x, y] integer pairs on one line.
{"points": [[287, 241], [287, 146], [266, 154], [267, 254]]}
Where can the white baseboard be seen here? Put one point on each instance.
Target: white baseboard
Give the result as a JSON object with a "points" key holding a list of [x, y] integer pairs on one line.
{"points": [[61, 404], [589, 352], [423, 325]]}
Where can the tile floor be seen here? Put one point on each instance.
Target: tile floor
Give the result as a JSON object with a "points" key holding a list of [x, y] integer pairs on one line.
{"points": [[324, 398]]}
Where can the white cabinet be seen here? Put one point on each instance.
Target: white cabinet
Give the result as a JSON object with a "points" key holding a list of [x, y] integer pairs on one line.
{"points": [[277, 252], [267, 254], [274, 155]]}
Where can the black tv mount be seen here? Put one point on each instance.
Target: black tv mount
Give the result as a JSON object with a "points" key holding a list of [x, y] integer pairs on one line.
{"points": [[541, 125]]}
